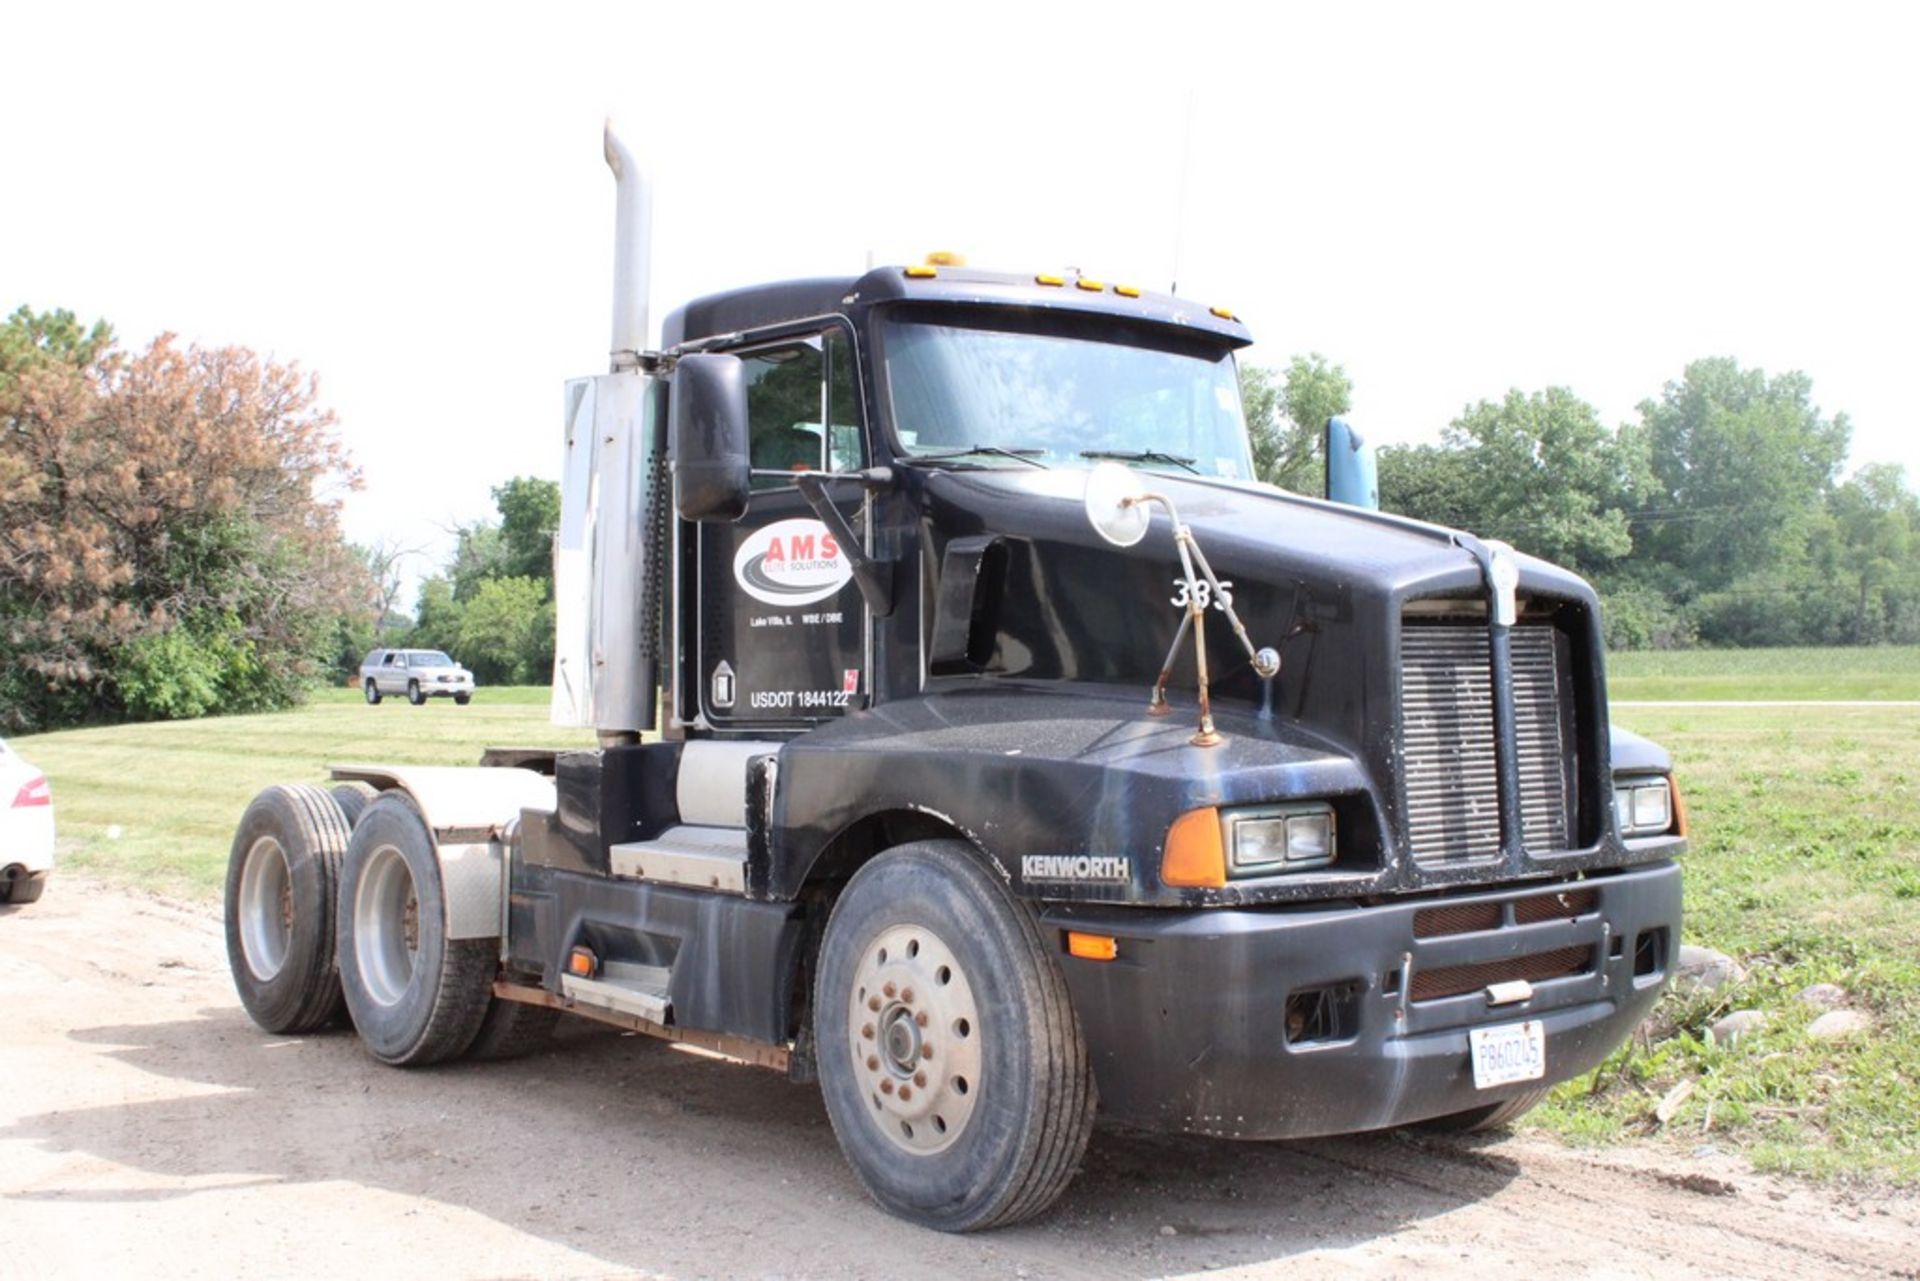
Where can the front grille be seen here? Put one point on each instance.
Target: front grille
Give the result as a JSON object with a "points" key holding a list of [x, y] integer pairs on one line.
{"points": [[1470, 918], [1458, 980], [1452, 771], [1537, 728], [1453, 783]]}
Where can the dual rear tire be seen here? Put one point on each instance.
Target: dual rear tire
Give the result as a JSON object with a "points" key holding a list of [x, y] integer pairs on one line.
{"points": [[334, 902]]}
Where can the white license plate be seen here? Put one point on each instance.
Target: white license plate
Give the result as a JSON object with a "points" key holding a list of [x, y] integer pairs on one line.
{"points": [[1509, 1053]]}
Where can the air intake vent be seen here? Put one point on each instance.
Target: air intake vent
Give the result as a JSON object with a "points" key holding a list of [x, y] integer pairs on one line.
{"points": [[1452, 771]]}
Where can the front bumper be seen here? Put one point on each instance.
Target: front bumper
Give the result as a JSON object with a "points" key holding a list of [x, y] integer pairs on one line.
{"points": [[450, 688], [1332, 1019]]}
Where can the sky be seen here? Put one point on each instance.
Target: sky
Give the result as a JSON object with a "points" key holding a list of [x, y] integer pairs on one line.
{"points": [[1449, 201]]}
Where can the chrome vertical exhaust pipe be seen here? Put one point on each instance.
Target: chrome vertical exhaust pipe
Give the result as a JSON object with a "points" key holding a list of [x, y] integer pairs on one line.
{"points": [[632, 252]]}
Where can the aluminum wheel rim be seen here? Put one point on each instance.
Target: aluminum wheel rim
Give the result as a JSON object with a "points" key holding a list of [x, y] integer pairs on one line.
{"points": [[266, 908], [914, 1031], [386, 926]]}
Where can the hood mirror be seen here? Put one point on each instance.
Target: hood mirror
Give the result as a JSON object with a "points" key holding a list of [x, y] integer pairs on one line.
{"points": [[1114, 504]]}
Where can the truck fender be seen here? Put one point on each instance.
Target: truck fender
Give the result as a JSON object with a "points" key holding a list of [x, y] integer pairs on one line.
{"points": [[471, 812]]}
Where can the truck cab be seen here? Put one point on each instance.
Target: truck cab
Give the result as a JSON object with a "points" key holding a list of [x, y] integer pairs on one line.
{"points": [[980, 738]]}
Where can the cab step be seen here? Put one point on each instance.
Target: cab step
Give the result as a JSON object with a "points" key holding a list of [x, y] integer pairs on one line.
{"points": [[638, 990], [707, 858]]}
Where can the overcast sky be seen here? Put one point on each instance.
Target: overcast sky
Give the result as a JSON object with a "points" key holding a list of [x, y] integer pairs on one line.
{"points": [[1448, 200]]}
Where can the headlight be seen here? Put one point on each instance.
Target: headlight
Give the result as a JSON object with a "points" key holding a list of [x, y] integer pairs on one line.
{"points": [[1643, 806], [1277, 839]]}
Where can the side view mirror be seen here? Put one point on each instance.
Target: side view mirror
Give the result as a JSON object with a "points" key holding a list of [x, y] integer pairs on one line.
{"points": [[707, 431], [1352, 476]]}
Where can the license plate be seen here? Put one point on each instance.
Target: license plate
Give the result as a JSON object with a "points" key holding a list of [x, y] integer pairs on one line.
{"points": [[1509, 1053]]}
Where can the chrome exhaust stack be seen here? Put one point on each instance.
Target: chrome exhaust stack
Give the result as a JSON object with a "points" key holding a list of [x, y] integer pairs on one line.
{"points": [[632, 251], [606, 577]]}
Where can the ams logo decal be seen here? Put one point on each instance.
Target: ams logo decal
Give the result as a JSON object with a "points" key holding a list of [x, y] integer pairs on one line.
{"points": [[791, 562]]}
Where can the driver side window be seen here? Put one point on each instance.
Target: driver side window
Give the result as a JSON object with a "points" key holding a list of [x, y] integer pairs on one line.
{"points": [[802, 408]]}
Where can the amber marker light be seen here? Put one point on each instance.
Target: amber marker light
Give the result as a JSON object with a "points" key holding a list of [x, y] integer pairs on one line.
{"points": [[921, 273], [581, 963], [1679, 806], [1196, 854], [1044, 279], [1091, 947], [1126, 291], [1091, 286], [1223, 313]]}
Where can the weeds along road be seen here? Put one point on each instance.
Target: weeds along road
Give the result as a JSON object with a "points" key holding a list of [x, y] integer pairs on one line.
{"points": [[147, 1129]]}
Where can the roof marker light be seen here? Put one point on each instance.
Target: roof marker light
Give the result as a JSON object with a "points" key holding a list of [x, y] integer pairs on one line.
{"points": [[921, 273], [1044, 279], [1091, 286], [1126, 291], [1223, 313]]}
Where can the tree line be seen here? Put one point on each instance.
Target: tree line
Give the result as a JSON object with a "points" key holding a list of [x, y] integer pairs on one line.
{"points": [[1717, 517], [170, 541]]}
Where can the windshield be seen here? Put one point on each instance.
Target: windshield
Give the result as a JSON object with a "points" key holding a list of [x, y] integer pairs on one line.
{"points": [[1054, 397], [431, 658]]}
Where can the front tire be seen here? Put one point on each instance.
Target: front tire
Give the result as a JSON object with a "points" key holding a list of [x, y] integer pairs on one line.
{"points": [[283, 876], [416, 996], [414, 695], [373, 694], [951, 1061], [1493, 1116], [463, 699]]}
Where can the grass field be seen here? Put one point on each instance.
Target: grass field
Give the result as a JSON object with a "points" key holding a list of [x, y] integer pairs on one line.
{"points": [[155, 805], [1805, 866], [1889, 672]]}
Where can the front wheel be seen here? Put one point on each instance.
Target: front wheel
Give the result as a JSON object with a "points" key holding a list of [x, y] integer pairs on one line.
{"points": [[463, 699], [414, 695], [1491, 1116], [373, 694], [953, 1067]]}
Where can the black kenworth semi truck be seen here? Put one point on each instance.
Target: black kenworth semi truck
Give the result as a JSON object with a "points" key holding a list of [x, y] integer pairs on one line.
{"points": [[979, 738]]}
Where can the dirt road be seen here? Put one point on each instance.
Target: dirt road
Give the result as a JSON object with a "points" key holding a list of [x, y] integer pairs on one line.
{"points": [[147, 1129]]}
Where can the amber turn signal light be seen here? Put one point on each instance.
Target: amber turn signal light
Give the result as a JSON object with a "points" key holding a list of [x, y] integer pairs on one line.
{"points": [[581, 962], [1196, 854], [1091, 947]]}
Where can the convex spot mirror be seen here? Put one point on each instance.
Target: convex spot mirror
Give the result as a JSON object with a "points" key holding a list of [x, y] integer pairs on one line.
{"points": [[707, 429], [1114, 508]]}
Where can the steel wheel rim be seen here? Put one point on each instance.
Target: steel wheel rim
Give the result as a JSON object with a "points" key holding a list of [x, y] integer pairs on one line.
{"points": [[913, 1028], [266, 908], [386, 926]]}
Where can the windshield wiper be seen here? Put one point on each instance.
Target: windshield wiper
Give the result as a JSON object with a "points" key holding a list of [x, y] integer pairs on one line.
{"points": [[1031, 457], [1141, 456]]}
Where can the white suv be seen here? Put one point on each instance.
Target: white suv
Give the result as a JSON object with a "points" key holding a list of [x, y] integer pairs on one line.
{"points": [[420, 674]]}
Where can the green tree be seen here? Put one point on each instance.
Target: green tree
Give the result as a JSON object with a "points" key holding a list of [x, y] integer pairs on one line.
{"points": [[1742, 465], [1536, 470], [506, 631], [436, 616], [1287, 416], [529, 510]]}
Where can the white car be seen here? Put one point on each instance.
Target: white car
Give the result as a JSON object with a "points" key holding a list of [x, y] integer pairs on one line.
{"points": [[26, 829]]}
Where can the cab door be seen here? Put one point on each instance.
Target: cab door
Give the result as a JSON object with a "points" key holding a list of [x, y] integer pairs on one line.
{"points": [[781, 629]]}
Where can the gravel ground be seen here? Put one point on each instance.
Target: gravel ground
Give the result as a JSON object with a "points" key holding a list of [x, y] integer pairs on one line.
{"points": [[147, 1129]]}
